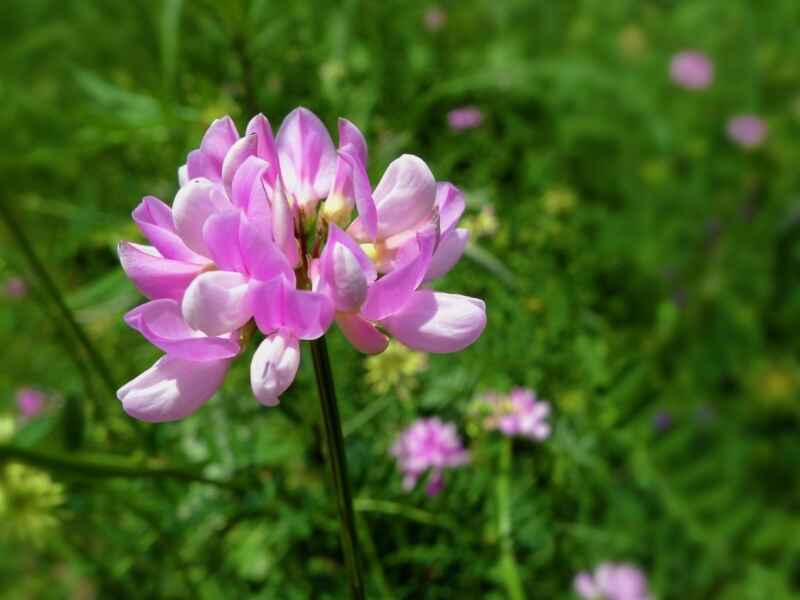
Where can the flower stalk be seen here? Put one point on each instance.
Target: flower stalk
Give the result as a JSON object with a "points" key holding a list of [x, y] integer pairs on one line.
{"points": [[334, 441], [508, 563]]}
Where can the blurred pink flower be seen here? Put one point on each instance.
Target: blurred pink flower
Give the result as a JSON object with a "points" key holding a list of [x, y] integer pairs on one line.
{"points": [[435, 18], [612, 581], [748, 131], [465, 117], [692, 70], [428, 444], [30, 402], [15, 287], [230, 257], [519, 414]]}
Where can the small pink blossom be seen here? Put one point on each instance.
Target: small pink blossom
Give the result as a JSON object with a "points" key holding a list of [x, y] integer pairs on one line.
{"points": [[692, 70], [434, 18], [465, 117], [428, 444], [612, 581], [519, 414], [230, 257], [748, 131], [30, 402], [15, 287]]}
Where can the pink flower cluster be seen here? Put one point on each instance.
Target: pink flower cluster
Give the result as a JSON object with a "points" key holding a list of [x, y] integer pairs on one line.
{"points": [[233, 254], [613, 581], [15, 287], [428, 444], [518, 414], [692, 70], [748, 131], [465, 117], [30, 402]]}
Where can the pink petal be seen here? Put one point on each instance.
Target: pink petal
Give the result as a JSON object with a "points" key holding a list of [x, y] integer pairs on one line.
{"points": [[194, 203], [390, 293], [438, 322], [221, 237], [365, 204], [218, 139], [183, 175], [247, 189], [345, 270], [263, 259], [217, 302], [585, 586], [362, 334], [239, 152], [307, 156], [450, 205], [199, 165], [448, 253], [153, 275], [277, 305], [351, 140], [161, 323], [172, 388], [274, 367], [154, 219], [267, 151], [405, 195], [283, 227]]}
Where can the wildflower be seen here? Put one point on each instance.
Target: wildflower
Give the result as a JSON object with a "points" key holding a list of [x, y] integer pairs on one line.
{"points": [[692, 70], [748, 131], [30, 402], [231, 256], [662, 421], [28, 498], [15, 287], [434, 18], [613, 581], [518, 414], [465, 117], [428, 444]]}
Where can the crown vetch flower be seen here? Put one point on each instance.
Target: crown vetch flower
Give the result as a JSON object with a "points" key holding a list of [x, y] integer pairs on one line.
{"points": [[612, 581], [748, 131], [232, 255], [692, 70], [428, 444], [519, 414], [30, 402]]}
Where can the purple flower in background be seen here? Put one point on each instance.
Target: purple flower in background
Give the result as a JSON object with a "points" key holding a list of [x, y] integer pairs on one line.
{"points": [[662, 421], [519, 414], [30, 402], [748, 131], [428, 444], [612, 581], [465, 117], [15, 287], [692, 70], [435, 18]]}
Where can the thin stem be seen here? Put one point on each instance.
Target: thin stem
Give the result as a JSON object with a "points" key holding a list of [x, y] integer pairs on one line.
{"points": [[508, 563], [334, 441], [92, 467], [52, 290]]}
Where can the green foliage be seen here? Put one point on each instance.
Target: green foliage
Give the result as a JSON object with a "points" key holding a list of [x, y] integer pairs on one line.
{"points": [[641, 263]]}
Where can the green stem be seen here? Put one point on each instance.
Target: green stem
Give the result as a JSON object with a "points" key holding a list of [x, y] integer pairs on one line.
{"points": [[334, 440], [508, 563], [109, 468], [52, 290]]}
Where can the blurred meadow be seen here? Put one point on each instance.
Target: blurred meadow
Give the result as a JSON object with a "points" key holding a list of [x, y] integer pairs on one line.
{"points": [[640, 266]]}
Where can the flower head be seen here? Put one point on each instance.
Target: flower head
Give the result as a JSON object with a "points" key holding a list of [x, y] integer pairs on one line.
{"points": [[30, 402], [15, 287], [231, 256], [519, 413], [748, 131], [428, 444], [612, 581], [465, 117], [692, 70], [434, 18]]}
